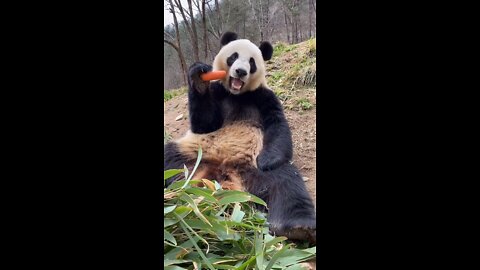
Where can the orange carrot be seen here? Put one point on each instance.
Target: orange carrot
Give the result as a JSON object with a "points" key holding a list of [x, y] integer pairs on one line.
{"points": [[214, 75]]}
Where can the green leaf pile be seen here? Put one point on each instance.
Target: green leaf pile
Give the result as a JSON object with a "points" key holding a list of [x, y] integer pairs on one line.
{"points": [[211, 228]]}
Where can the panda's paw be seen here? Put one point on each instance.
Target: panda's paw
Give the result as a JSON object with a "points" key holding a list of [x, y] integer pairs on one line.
{"points": [[298, 230], [301, 233], [194, 80]]}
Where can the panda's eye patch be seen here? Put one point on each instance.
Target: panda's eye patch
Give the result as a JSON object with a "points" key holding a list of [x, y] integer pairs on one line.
{"points": [[253, 66], [232, 59]]}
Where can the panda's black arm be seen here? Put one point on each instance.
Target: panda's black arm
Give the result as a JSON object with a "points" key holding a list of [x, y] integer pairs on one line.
{"points": [[204, 108], [277, 137]]}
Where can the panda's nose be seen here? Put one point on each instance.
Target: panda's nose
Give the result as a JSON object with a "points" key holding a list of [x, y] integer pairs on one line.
{"points": [[241, 72]]}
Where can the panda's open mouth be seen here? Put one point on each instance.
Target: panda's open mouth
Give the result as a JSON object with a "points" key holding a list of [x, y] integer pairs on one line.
{"points": [[236, 84]]}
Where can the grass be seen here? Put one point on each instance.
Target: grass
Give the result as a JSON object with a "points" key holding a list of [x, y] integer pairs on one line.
{"points": [[211, 228], [312, 47], [305, 104], [292, 74], [169, 94], [166, 136], [293, 65]]}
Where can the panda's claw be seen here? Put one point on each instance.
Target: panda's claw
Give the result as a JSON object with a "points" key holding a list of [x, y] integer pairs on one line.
{"points": [[194, 80], [299, 230]]}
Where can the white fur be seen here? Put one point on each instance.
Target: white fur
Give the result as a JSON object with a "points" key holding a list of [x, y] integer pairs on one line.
{"points": [[245, 49]]}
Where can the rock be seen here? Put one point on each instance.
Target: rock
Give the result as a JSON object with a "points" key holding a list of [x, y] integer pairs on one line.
{"points": [[179, 117], [305, 179]]}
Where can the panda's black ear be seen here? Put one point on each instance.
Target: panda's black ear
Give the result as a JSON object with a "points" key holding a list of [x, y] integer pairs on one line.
{"points": [[227, 37], [267, 50]]}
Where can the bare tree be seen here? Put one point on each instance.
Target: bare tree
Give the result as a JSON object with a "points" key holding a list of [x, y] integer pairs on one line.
{"points": [[176, 46], [190, 25], [286, 25], [261, 13], [199, 25], [219, 14], [204, 24], [310, 19], [290, 20]]}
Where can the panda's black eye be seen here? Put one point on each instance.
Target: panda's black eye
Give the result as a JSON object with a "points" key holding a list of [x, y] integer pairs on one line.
{"points": [[232, 59], [253, 66]]}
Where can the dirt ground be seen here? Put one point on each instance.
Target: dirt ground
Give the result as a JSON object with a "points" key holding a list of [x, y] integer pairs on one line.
{"points": [[302, 124]]}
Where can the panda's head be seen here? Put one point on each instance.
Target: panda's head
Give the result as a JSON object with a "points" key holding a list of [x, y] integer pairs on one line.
{"points": [[244, 63]]}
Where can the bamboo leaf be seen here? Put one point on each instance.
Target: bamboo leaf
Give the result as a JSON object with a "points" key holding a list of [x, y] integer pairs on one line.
{"points": [[180, 251], [275, 241], [223, 194], [168, 209], [169, 173], [247, 263], [294, 256], [235, 198], [169, 222], [186, 174], [259, 251], [174, 267], [237, 214], [183, 225], [276, 256], [296, 267], [199, 157], [183, 211], [169, 237], [209, 184], [207, 194], [170, 262], [217, 186], [194, 206]]}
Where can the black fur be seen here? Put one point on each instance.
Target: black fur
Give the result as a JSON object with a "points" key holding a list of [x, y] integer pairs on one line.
{"points": [[253, 66], [227, 37], [204, 109], [290, 209], [173, 159], [267, 50], [231, 59], [279, 183]]}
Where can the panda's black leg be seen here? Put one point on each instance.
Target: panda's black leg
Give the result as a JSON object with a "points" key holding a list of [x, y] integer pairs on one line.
{"points": [[291, 212], [173, 159]]}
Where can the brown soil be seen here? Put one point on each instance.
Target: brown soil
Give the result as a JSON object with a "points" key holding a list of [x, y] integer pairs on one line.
{"points": [[302, 124]]}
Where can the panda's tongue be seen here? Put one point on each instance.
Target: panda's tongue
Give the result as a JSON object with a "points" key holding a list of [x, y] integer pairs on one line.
{"points": [[236, 84]]}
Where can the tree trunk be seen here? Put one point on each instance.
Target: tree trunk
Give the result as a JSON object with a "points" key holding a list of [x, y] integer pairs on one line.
{"points": [[220, 21], [194, 31], [183, 64], [286, 27], [258, 19], [180, 56], [295, 20], [190, 28], [244, 19], [309, 21], [215, 32], [204, 22]]}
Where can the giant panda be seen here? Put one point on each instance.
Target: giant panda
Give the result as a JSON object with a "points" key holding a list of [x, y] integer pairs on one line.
{"points": [[246, 141]]}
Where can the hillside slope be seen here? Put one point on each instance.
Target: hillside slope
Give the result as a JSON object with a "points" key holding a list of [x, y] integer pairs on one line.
{"points": [[291, 75]]}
